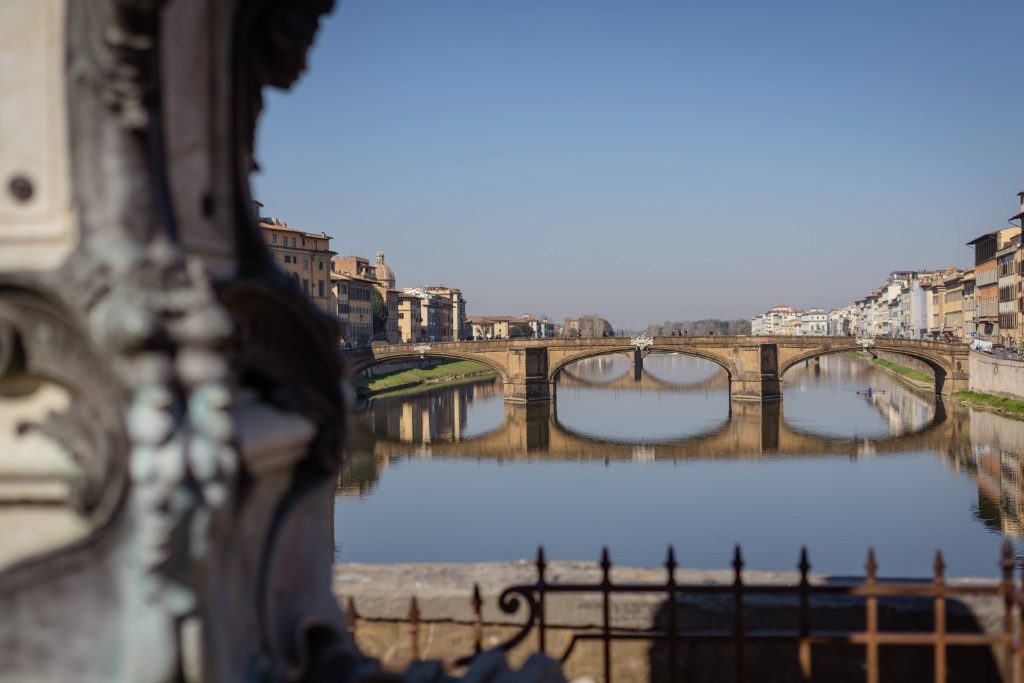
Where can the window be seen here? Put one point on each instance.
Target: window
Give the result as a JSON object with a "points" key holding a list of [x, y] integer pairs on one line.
{"points": [[320, 287], [293, 241], [305, 286], [320, 265], [273, 238], [287, 258], [305, 264]]}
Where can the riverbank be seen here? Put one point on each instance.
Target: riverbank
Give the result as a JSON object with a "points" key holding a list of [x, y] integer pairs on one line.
{"points": [[913, 377], [405, 381], [921, 380], [1008, 407]]}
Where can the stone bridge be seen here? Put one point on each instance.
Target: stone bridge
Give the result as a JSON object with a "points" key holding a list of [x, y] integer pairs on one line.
{"points": [[754, 365]]}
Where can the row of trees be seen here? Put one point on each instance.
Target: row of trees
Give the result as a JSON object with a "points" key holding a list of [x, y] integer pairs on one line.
{"points": [[712, 326]]}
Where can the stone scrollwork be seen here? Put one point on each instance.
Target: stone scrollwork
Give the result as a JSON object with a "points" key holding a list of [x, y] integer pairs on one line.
{"points": [[169, 438], [74, 452], [117, 55], [642, 342]]}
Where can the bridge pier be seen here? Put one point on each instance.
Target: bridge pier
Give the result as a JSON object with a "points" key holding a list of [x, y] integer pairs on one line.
{"points": [[757, 375], [957, 381], [527, 380]]}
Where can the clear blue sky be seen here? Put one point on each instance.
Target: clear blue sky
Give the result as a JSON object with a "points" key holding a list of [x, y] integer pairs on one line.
{"points": [[652, 160]]}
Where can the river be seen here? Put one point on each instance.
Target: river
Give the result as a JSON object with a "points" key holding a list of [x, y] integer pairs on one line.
{"points": [[456, 475]]}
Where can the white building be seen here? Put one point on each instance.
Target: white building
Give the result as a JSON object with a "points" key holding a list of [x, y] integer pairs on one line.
{"points": [[782, 320], [813, 323]]}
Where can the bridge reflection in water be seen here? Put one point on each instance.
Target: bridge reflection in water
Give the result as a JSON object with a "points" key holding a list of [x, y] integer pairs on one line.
{"points": [[437, 424], [472, 424]]}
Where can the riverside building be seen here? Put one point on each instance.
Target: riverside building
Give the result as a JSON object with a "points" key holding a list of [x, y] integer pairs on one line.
{"points": [[305, 257]]}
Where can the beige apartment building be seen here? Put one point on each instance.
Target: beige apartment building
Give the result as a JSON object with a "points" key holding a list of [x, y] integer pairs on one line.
{"points": [[1008, 272], [490, 327], [987, 249], [305, 257], [410, 326], [969, 303], [953, 306], [436, 315], [454, 326], [357, 315], [355, 306]]}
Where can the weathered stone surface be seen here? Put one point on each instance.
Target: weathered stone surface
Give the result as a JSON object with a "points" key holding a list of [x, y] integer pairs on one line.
{"points": [[382, 593]]}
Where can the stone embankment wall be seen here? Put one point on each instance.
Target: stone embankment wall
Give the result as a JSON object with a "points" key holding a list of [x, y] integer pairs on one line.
{"points": [[998, 376], [906, 361], [381, 595], [408, 364]]}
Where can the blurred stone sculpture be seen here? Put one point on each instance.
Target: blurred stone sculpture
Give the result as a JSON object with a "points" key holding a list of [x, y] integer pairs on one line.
{"points": [[171, 415]]}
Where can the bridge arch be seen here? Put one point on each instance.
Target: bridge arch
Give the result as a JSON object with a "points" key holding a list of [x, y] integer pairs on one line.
{"points": [[647, 380], [939, 366], [721, 361]]}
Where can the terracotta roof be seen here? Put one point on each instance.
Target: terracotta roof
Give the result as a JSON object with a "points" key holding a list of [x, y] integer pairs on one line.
{"points": [[282, 226]]}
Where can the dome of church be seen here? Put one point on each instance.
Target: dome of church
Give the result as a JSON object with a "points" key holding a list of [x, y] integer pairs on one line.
{"points": [[384, 272]]}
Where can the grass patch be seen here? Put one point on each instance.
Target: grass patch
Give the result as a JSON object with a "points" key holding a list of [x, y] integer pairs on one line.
{"points": [[424, 388], [1000, 403], [904, 371], [417, 376]]}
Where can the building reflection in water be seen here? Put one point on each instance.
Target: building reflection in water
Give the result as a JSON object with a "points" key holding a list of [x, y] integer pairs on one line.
{"points": [[438, 423], [416, 420], [992, 456]]}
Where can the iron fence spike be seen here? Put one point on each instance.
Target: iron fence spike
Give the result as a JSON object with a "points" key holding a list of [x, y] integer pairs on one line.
{"points": [[805, 565], [940, 564], [1006, 559], [871, 565]]}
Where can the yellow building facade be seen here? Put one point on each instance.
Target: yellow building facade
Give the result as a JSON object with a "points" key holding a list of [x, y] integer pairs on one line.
{"points": [[409, 322], [306, 258]]}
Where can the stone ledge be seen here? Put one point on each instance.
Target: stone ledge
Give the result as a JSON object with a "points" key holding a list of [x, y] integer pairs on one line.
{"points": [[444, 591]]}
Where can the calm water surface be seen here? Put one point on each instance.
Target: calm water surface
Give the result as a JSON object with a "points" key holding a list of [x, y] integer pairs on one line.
{"points": [[455, 475]]}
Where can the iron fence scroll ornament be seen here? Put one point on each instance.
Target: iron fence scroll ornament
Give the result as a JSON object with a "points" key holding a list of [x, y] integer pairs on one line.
{"points": [[530, 599]]}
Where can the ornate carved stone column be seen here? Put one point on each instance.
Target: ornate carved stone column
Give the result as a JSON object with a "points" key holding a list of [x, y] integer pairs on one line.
{"points": [[171, 411]]}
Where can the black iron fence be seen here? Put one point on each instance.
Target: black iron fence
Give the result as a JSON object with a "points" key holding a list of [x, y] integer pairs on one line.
{"points": [[532, 598]]}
